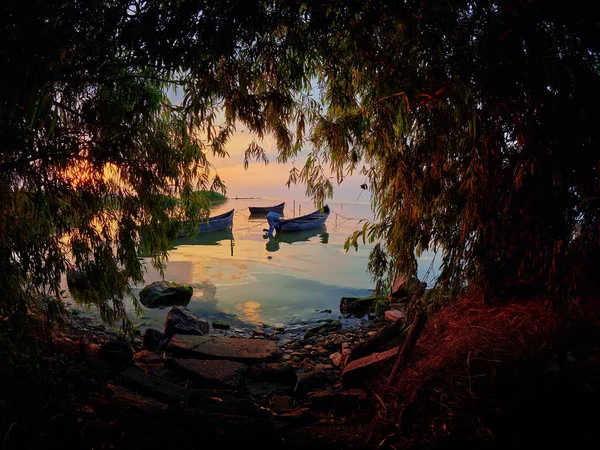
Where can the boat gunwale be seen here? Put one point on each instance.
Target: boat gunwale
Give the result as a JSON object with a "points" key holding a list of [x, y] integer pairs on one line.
{"points": [[317, 218], [315, 215], [219, 222], [266, 209]]}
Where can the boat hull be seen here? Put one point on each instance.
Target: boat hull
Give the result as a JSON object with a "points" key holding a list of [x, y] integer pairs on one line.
{"points": [[259, 210], [215, 223], [307, 222]]}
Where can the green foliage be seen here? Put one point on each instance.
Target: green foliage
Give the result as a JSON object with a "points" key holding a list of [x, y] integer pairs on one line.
{"points": [[213, 197], [94, 153], [220, 324], [476, 124], [473, 123], [19, 351]]}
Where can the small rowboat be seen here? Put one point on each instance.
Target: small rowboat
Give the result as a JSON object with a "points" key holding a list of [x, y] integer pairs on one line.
{"points": [[215, 223], [307, 222], [257, 210]]}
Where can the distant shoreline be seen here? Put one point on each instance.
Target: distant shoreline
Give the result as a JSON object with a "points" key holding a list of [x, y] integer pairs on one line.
{"points": [[303, 200]]}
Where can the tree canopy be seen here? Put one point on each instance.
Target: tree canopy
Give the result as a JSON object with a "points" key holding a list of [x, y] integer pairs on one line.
{"points": [[474, 124], [477, 124]]}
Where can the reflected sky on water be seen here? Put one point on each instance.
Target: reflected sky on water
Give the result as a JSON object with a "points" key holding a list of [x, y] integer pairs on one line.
{"points": [[248, 278]]}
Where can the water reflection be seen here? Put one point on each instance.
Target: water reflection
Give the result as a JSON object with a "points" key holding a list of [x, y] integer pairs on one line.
{"points": [[293, 284], [212, 238], [297, 236], [272, 245], [251, 311]]}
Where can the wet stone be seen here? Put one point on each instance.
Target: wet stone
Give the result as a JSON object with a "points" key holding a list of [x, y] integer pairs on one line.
{"points": [[318, 379], [221, 325], [210, 373], [181, 320], [159, 388], [152, 339], [281, 403], [162, 294], [147, 360], [276, 372], [136, 401], [116, 353], [258, 389], [336, 358], [216, 347]]}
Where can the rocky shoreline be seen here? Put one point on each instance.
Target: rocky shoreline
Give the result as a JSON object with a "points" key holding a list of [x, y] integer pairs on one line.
{"points": [[328, 389], [269, 383], [263, 383]]}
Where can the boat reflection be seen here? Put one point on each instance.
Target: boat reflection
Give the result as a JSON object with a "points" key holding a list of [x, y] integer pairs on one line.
{"points": [[297, 236], [272, 245], [213, 238]]}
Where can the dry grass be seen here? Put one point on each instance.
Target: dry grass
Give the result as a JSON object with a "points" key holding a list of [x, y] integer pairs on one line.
{"points": [[475, 369]]}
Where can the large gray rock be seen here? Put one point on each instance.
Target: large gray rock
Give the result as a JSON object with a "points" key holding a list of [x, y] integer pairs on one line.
{"points": [[216, 347], [210, 373], [162, 294], [181, 320]]}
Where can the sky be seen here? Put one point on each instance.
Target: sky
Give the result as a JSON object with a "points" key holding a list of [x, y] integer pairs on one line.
{"points": [[269, 181]]}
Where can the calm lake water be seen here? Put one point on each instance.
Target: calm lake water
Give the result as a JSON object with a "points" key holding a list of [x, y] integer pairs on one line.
{"points": [[245, 278]]}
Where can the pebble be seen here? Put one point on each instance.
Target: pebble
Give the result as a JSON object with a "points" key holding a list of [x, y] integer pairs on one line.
{"points": [[336, 359]]}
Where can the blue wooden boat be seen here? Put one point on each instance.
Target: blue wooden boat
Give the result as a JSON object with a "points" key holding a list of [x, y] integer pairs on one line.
{"points": [[260, 210], [215, 223], [307, 222]]}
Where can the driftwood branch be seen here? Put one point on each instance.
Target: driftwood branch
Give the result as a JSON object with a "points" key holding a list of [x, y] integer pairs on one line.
{"points": [[409, 343], [379, 342]]}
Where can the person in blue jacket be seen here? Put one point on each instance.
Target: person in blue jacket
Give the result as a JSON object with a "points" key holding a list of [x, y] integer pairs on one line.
{"points": [[273, 221]]}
